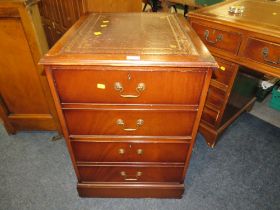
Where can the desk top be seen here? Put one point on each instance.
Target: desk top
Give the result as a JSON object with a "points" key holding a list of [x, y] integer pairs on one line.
{"points": [[130, 39], [261, 15]]}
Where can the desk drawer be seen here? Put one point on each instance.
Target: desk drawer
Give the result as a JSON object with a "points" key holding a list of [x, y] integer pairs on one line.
{"points": [[226, 71], [210, 115], [130, 122], [263, 52], [217, 38], [130, 173], [129, 151], [129, 87], [216, 97]]}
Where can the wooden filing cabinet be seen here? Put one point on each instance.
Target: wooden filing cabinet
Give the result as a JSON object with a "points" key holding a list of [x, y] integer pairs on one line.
{"points": [[129, 103], [248, 40]]}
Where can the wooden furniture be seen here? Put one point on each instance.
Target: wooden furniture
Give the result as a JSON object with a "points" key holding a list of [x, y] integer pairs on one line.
{"points": [[129, 108], [58, 15], [113, 5], [251, 39], [25, 100]]}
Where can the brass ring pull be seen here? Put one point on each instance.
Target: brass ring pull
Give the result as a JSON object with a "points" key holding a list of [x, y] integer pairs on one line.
{"points": [[121, 151], [132, 178], [218, 38], [121, 123], [139, 89], [265, 53], [140, 152]]}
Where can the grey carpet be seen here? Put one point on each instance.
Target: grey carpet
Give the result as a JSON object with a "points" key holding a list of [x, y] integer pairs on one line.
{"points": [[242, 172]]}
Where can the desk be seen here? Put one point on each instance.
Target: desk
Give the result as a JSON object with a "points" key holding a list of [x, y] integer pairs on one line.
{"points": [[251, 39]]}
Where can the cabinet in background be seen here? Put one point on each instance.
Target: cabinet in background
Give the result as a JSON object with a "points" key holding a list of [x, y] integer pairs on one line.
{"points": [[25, 102]]}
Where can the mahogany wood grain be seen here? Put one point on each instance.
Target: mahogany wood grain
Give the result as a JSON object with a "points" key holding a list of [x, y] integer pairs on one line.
{"points": [[98, 86], [263, 52], [129, 151], [225, 72], [113, 173], [229, 41], [154, 190], [216, 96], [113, 5], [176, 77], [250, 33], [155, 122]]}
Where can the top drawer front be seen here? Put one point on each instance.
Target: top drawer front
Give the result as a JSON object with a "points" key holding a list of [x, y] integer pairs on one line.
{"points": [[263, 52], [224, 40], [130, 87], [225, 73]]}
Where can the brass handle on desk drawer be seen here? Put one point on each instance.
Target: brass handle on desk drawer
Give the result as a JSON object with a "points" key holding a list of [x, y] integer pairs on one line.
{"points": [[140, 152], [121, 123], [126, 177], [139, 89], [121, 151], [265, 53], [218, 38]]}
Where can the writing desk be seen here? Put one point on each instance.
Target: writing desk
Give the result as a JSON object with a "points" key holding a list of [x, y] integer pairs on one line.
{"points": [[250, 39]]}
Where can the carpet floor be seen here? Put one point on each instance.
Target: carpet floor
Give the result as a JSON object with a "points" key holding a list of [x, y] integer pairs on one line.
{"points": [[241, 172]]}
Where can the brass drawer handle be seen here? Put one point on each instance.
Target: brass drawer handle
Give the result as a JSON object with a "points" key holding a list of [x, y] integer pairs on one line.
{"points": [[265, 53], [121, 151], [218, 38], [121, 123], [139, 89], [140, 152], [132, 178]]}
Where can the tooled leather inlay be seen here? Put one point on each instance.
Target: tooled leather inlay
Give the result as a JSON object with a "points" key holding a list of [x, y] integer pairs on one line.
{"points": [[130, 34]]}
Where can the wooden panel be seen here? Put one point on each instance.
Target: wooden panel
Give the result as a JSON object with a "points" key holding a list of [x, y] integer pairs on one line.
{"points": [[88, 86], [67, 12], [131, 190], [19, 81], [131, 173], [129, 151], [210, 115], [155, 123], [225, 72], [229, 41], [113, 5], [263, 52], [216, 97]]}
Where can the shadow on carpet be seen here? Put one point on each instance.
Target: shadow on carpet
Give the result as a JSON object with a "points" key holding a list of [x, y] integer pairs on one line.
{"points": [[241, 172]]}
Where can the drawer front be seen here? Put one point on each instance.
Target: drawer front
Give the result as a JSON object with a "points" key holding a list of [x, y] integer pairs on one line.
{"points": [[210, 115], [130, 173], [129, 87], [216, 97], [130, 122], [263, 52], [220, 39], [225, 72], [129, 152]]}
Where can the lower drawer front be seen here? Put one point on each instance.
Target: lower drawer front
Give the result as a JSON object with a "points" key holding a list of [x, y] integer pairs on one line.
{"points": [[210, 115], [130, 122], [131, 173], [129, 152], [216, 97]]}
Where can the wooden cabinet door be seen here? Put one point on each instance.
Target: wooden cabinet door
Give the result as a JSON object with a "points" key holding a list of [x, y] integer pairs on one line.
{"points": [[24, 104]]}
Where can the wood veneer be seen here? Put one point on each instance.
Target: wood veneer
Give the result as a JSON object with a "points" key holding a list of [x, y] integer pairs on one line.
{"points": [[25, 100], [251, 40], [113, 159]]}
